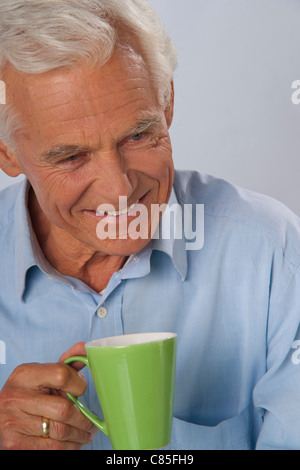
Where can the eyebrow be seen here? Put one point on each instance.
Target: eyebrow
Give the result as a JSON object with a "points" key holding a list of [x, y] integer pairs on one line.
{"points": [[144, 124], [63, 150]]}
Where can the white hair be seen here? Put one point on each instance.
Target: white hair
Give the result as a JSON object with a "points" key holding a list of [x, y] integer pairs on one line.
{"points": [[37, 36]]}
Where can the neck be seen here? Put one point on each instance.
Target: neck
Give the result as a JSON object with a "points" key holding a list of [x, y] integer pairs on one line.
{"points": [[70, 256]]}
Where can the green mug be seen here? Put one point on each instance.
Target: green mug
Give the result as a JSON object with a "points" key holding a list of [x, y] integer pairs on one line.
{"points": [[134, 376]]}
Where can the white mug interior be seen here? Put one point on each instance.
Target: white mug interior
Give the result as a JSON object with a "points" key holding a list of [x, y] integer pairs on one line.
{"points": [[128, 340]]}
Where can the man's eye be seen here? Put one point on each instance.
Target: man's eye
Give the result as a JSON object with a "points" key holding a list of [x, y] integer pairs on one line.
{"points": [[72, 158], [137, 137]]}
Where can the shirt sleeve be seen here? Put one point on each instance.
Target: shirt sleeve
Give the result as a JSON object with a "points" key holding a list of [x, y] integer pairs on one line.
{"points": [[276, 396]]}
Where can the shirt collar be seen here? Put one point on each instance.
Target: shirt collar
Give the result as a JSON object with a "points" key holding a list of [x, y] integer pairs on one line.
{"points": [[27, 248], [29, 254], [24, 246], [173, 247]]}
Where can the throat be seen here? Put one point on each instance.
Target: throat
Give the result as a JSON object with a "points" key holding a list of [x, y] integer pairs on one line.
{"points": [[94, 269]]}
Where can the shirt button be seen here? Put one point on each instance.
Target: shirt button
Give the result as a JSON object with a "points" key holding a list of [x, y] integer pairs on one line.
{"points": [[136, 259], [102, 312]]}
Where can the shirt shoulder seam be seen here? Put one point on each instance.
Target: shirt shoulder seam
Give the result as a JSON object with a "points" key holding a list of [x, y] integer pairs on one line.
{"points": [[275, 242]]}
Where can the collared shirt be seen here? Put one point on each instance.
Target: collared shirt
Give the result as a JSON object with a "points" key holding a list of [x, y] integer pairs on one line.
{"points": [[234, 304]]}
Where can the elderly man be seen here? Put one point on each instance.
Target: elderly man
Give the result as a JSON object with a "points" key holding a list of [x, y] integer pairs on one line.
{"points": [[87, 109]]}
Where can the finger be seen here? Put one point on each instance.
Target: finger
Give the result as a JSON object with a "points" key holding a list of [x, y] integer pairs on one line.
{"points": [[44, 377], [30, 425], [58, 409], [22, 442], [77, 350], [64, 432], [67, 423], [25, 432]]}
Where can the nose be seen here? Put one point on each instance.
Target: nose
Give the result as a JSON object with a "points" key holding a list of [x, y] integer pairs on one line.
{"points": [[111, 177]]}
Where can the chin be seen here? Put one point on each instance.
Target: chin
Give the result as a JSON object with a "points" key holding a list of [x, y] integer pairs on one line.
{"points": [[122, 247]]}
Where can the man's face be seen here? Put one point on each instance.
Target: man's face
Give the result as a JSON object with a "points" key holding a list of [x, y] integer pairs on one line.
{"points": [[91, 136]]}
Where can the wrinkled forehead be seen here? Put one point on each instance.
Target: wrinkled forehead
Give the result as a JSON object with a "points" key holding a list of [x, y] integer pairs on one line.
{"points": [[124, 65], [70, 90], [73, 104]]}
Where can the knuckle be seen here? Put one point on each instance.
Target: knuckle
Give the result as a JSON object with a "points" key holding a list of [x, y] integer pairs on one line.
{"points": [[64, 409], [7, 399], [8, 443], [52, 444], [7, 424], [61, 375], [18, 373], [7, 438], [87, 425], [10, 399], [59, 431]]}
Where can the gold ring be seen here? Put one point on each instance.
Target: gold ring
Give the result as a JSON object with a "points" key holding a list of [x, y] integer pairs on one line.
{"points": [[45, 427]]}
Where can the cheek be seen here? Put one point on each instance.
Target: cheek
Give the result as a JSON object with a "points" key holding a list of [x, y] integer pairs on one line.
{"points": [[155, 162], [54, 191], [161, 168]]}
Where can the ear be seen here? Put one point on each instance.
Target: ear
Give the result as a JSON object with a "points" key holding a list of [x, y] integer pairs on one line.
{"points": [[169, 111], [8, 161]]}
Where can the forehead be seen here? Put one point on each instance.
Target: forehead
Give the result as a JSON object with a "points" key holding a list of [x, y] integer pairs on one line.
{"points": [[75, 101]]}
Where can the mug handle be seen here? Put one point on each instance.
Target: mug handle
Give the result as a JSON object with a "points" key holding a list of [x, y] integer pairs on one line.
{"points": [[84, 410]]}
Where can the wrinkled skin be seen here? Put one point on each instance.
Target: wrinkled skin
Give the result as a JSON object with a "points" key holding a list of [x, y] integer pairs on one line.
{"points": [[36, 390], [98, 111]]}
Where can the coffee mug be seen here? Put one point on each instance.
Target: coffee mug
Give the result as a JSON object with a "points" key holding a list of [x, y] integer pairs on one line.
{"points": [[134, 376]]}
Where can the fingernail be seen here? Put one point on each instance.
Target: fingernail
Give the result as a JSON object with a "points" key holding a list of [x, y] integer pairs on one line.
{"points": [[92, 437], [82, 376]]}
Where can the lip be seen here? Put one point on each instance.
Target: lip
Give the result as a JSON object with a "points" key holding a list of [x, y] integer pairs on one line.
{"points": [[117, 213], [131, 212]]}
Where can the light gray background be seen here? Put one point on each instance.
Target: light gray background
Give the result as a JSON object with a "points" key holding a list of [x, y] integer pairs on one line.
{"points": [[234, 116]]}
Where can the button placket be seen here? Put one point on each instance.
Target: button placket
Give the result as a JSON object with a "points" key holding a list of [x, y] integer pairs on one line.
{"points": [[102, 312]]}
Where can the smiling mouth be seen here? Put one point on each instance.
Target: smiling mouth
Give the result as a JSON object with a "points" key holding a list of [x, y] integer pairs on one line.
{"points": [[100, 213], [107, 211]]}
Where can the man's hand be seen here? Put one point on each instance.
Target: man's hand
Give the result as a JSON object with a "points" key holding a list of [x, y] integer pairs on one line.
{"points": [[34, 391]]}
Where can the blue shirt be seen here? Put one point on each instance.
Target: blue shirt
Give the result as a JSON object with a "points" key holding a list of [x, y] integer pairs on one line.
{"points": [[234, 303]]}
